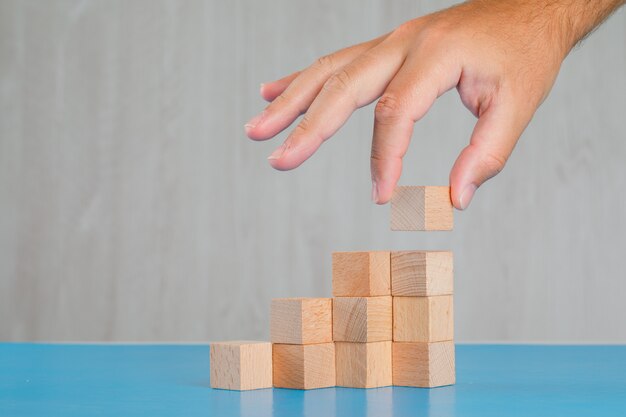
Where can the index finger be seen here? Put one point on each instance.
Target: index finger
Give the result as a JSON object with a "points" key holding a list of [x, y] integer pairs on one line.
{"points": [[296, 94], [356, 85]]}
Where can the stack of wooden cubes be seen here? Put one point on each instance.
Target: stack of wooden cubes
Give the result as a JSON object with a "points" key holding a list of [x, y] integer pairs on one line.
{"points": [[362, 318], [390, 321], [302, 343], [423, 325], [422, 287]]}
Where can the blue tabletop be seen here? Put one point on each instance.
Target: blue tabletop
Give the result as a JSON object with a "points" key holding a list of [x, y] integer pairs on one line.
{"points": [[173, 380]]}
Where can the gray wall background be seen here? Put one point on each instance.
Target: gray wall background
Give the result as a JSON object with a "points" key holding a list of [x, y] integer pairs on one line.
{"points": [[133, 208]]}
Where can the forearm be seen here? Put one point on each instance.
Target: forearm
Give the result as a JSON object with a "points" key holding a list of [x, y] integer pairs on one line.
{"points": [[578, 18], [570, 21], [557, 25]]}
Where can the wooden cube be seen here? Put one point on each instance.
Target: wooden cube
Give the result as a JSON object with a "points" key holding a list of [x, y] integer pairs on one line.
{"points": [[304, 366], [423, 319], [241, 365], [363, 365], [362, 319], [424, 365], [421, 208], [301, 320], [361, 274], [421, 273]]}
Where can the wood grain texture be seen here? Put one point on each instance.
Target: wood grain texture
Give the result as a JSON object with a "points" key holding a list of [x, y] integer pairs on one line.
{"points": [[241, 365], [304, 366], [423, 365], [422, 273], [363, 365], [362, 319], [423, 319], [421, 208], [361, 274], [301, 320]]}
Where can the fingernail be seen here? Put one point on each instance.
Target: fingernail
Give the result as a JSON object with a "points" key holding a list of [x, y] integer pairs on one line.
{"points": [[467, 195], [278, 152], [252, 123], [261, 88], [374, 192]]}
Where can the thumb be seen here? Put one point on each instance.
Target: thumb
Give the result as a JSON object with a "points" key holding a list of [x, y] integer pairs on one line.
{"points": [[493, 139]]}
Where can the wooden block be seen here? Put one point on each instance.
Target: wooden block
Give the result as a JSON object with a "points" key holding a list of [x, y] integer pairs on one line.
{"points": [[241, 365], [424, 365], [421, 208], [363, 365], [362, 319], [361, 274], [423, 319], [304, 366], [301, 321], [421, 273]]}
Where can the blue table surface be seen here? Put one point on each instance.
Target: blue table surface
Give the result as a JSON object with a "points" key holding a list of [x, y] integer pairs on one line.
{"points": [[173, 380]]}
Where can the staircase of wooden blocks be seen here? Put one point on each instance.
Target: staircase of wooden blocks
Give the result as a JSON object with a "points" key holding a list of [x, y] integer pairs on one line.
{"points": [[390, 321]]}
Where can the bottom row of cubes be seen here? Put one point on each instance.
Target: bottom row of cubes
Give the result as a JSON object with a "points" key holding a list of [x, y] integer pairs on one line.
{"points": [[253, 365]]}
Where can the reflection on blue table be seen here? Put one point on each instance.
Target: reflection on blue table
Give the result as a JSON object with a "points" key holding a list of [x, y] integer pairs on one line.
{"points": [[114, 380], [336, 401]]}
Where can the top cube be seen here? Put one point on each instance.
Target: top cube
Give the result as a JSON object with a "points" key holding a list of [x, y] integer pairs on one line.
{"points": [[361, 274], [421, 208]]}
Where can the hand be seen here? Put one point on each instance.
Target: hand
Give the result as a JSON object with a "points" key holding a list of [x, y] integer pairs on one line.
{"points": [[502, 56]]}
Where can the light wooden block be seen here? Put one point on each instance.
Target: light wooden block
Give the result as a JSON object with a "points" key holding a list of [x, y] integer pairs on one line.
{"points": [[423, 365], [421, 208], [301, 320], [304, 366], [421, 273], [423, 319], [361, 274], [241, 365], [362, 319], [363, 365]]}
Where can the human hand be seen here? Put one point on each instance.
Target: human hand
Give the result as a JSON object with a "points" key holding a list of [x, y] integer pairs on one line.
{"points": [[502, 56]]}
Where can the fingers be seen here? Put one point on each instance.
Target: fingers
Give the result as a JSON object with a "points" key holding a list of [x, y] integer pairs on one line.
{"points": [[492, 142], [269, 91], [299, 92], [357, 84], [406, 100]]}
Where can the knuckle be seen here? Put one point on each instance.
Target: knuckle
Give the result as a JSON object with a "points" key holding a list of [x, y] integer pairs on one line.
{"points": [[388, 109], [387, 150], [304, 127], [404, 29], [306, 131], [338, 82], [287, 101], [325, 63], [493, 163], [280, 102], [378, 154], [280, 99]]}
